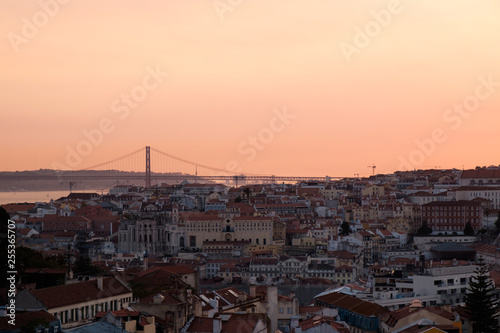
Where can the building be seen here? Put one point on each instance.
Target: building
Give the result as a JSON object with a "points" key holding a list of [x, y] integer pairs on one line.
{"points": [[452, 216], [52, 223], [440, 282], [174, 306], [76, 303], [491, 193], [417, 313], [361, 316], [230, 323], [201, 227], [480, 177], [31, 321], [143, 236]]}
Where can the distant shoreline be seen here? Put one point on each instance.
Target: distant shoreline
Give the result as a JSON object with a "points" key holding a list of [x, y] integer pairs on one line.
{"points": [[47, 180]]}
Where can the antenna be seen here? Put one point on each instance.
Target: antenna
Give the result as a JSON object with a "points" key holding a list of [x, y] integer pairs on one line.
{"points": [[373, 167], [71, 186]]}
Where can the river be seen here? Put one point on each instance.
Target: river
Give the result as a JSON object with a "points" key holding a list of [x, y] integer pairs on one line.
{"points": [[34, 196]]}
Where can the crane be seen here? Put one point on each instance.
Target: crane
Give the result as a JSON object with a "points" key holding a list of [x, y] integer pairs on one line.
{"points": [[373, 167]]}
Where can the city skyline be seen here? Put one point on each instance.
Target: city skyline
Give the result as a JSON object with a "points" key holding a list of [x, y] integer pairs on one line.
{"points": [[281, 87]]}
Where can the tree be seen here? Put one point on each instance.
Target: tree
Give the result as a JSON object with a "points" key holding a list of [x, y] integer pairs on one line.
{"points": [[479, 301], [497, 225], [468, 230], [424, 230], [83, 265], [345, 228]]}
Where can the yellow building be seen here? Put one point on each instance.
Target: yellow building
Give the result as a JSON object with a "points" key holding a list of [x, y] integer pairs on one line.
{"points": [[202, 227]]}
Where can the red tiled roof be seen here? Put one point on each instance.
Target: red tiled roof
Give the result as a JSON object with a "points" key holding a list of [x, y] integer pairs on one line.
{"points": [[18, 207], [401, 313], [169, 297], [172, 268], [74, 293], [309, 309], [353, 304], [23, 319], [45, 270], [421, 329], [481, 173], [125, 313], [201, 325]]}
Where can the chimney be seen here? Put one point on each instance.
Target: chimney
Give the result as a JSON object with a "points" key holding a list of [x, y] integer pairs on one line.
{"points": [[215, 303], [216, 325], [99, 283], [252, 290]]}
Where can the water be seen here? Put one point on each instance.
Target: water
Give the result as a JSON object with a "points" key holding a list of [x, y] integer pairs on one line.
{"points": [[35, 196]]}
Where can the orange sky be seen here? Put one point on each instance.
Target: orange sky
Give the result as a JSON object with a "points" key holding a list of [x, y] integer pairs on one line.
{"points": [[362, 82]]}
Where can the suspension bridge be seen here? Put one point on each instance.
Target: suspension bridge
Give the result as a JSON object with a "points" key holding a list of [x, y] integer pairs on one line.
{"points": [[160, 167]]}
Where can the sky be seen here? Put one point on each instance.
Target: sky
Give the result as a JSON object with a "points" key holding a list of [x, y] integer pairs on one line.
{"points": [[284, 87]]}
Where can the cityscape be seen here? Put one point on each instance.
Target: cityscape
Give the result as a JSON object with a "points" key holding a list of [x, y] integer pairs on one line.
{"points": [[383, 253], [263, 166]]}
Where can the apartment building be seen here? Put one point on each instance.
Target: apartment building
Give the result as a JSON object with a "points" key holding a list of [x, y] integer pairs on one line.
{"points": [[451, 216], [202, 227], [76, 303]]}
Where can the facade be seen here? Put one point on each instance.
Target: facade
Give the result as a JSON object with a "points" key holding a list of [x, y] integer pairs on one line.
{"points": [[366, 238], [480, 177], [344, 274], [451, 216], [417, 313], [361, 316], [52, 223], [491, 193], [440, 283], [76, 303], [202, 227], [175, 307], [143, 236]]}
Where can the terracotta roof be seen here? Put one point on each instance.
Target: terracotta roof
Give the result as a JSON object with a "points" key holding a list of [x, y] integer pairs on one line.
{"points": [[343, 254], [484, 248], [453, 203], [23, 319], [74, 293], [309, 309], [45, 270], [229, 293], [157, 271], [404, 312], [481, 173], [18, 207], [125, 313], [169, 297], [241, 323], [353, 304], [417, 328]]}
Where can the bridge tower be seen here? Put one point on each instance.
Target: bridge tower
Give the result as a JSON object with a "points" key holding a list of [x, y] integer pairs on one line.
{"points": [[148, 167]]}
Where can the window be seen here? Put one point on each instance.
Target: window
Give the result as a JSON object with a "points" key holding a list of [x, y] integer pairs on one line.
{"points": [[281, 310], [289, 311]]}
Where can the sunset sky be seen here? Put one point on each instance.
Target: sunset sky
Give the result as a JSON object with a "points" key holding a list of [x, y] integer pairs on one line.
{"points": [[285, 87]]}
